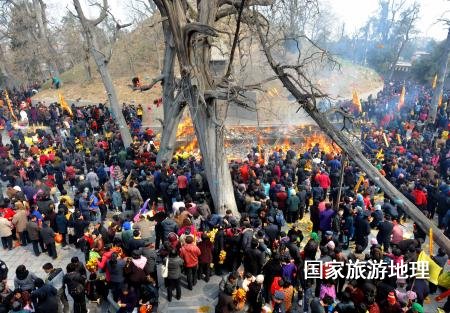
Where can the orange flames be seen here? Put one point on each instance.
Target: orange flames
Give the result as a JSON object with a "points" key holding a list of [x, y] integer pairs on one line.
{"points": [[188, 144], [186, 133], [325, 144]]}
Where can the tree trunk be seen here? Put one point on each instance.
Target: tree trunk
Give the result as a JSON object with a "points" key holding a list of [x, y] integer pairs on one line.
{"points": [[51, 54], [355, 153], [440, 81], [101, 62], [210, 136], [173, 107]]}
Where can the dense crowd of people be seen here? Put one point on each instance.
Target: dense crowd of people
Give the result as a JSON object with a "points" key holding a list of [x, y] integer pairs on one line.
{"points": [[78, 185]]}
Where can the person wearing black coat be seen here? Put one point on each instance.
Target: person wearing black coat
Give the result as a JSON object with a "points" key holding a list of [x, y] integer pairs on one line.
{"points": [[384, 233], [48, 237], [271, 230], [61, 226], [226, 302], [253, 259], [44, 298], [270, 270], [362, 230], [75, 286], [219, 245]]}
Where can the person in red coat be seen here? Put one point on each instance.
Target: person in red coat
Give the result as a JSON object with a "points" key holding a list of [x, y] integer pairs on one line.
{"points": [[420, 197], [190, 253], [206, 257]]}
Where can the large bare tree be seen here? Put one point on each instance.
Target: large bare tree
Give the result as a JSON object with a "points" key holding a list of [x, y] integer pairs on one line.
{"points": [[192, 28], [294, 78], [101, 60]]}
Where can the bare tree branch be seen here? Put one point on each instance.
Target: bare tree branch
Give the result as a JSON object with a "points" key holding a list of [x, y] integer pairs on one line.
{"points": [[235, 40]]}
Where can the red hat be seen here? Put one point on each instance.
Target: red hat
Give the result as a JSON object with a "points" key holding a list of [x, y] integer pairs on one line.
{"points": [[391, 298]]}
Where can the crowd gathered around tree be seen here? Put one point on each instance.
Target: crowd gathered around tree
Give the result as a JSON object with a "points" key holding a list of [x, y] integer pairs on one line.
{"points": [[143, 227]]}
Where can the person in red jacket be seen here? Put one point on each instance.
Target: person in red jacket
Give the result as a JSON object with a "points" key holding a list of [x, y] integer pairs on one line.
{"points": [[324, 181], [281, 198], [190, 253], [206, 247], [420, 197]]}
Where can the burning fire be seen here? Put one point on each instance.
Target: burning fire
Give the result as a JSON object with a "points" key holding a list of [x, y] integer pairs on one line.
{"points": [[299, 139], [186, 133], [325, 144]]}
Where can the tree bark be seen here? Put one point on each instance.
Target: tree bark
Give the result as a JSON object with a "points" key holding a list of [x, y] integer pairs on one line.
{"points": [[102, 67], [173, 107], [194, 61], [440, 81], [39, 11], [412, 19], [355, 152]]}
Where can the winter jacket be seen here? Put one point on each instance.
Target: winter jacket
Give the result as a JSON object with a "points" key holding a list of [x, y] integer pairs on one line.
{"points": [[325, 220], [45, 299], [135, 274], [150, 254], [293, 203], [206, 249], [174, 267], [225, 304], [168, 226], [55, 278], [25, 281], [20, 220], [33, 230], [61, 224], [116, 271], [74, 281], [253, 261], [47, 234], [5, 227], [247, 235], [134, 195], [190, 253]]}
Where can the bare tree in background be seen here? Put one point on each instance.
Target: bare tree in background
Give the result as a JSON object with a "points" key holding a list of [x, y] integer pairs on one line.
{"points": [[405, 28], [442, 74], [295, 78], [101, 60], [25, 26]]}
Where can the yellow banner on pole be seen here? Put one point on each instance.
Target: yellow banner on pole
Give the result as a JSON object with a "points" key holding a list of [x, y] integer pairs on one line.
{"points": [[379, 154], [401, 100], [431, 241], [399, 139], [385, 140], [358, 184], [8, 101], [433, 85], [64, 104], [356, 101]]}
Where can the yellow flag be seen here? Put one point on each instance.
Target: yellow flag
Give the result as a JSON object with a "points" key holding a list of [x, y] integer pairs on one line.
{"points": [[356, 101], [434, 269], [379, 154], [385, 140], [399, 139], [8, 101], [401, 100], [358, 184], [440, 100], [64, 104], [433, 85]]}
